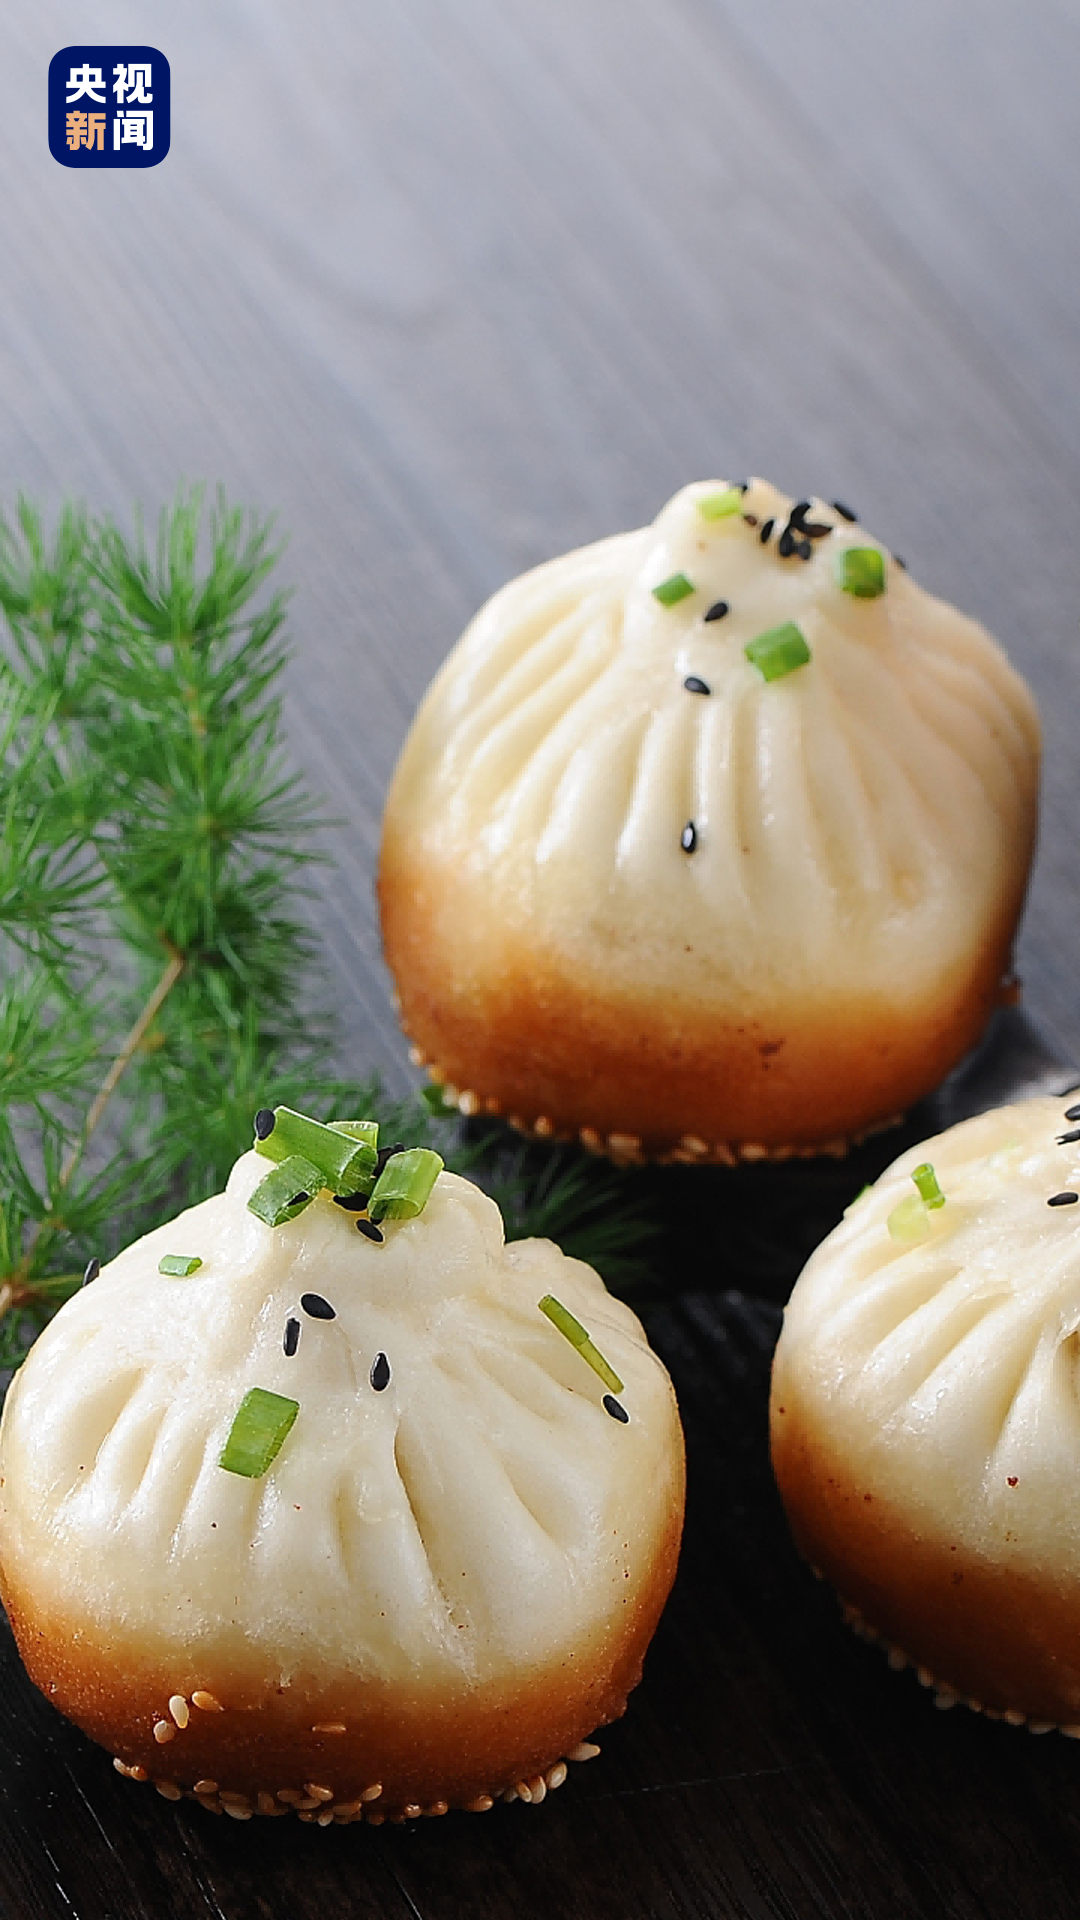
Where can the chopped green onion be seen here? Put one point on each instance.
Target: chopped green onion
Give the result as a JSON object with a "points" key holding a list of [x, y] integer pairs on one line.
{"points": [[180, 1264], [403, 1188], [286, 1191], [366, 1130], [674, 589], [343, 1161], [259, 1426], [579, 1337], [717, 506], [909, 1221], [436, 1103], [778, 651], [861, 571], [927, 1182]]}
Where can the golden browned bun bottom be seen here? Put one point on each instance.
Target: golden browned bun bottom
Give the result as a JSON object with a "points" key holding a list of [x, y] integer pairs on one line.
{"points": [[504, 1025], [1001, 1639], [348, 1748]]}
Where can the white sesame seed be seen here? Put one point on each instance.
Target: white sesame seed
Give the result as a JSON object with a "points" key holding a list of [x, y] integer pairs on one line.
{"points": [[137, 1773], [585, 1750], [1014, 1718], [897, 1659], [945, 1701], [206, 1786], [522, 1791], [1041, 1726], [305, 1814], [437, 1809], [693, 1144], [324, 1819], [265, 1802], [343, 1807], [234, 1812], [375, 1819], [122, 1767], [416, 1056], [484, 1802], [372, 1793], [169, 1790], [230, 1798], [468, 1104], [178, 1707], [926, 1678], [542, 1126], [318, 1793], [411, 1812], [538, 1790], [510, 1794], [626, 1144], [163, 1731], [330, 1726], [555, 1776], [309, 1805], [289, 1794], [206, 1702]]}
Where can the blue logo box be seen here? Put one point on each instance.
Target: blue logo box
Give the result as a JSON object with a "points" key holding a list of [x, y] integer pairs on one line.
{"points": [[109, 107]]}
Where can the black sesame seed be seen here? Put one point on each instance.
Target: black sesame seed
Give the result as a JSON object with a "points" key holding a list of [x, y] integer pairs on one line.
{"points": [[815, 529], [616, 1409], [766, 530], [370, 1231], [717, 611], [785, 546], [93, 1268], [265, 1123], [300, 1199], [1072, 1113], [317, 1307], [804, 550], [384, 1154], [380, 1373], [688, 837], [1066, 1139], [292, 1336], [694, 685], [742, 486], [897, 562], [1063, 1199], [352, 1202], [844, 512], [798, 513]]}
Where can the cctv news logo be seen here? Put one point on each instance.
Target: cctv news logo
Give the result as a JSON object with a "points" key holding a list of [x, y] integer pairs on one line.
{"points": [[109, 107]]}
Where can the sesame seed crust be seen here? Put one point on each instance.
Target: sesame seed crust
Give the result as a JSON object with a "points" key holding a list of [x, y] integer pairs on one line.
{"points": [[311, 1805]]}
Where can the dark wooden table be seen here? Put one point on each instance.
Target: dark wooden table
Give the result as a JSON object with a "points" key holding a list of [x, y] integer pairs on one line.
{"points": [[453, 285]]}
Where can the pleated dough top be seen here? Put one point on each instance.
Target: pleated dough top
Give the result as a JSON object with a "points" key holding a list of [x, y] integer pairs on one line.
{"points": [[857, 816], [936, 1365], [479, 1514]]}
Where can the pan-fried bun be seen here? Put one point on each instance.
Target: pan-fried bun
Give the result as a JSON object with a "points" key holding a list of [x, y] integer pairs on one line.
{"points": [[444, 1580], [644, 889], [926, 1415]]}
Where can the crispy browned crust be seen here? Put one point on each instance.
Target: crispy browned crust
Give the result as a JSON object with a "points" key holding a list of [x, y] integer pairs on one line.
{"points": [[1000, 1636], [495, 1016], [426, 1750]]}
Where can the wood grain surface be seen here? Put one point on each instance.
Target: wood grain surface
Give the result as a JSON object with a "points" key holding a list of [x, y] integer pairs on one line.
{"points": [[452, 285]]}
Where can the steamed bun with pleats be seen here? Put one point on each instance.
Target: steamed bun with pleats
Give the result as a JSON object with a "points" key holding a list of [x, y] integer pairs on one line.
{"points": [[926, 1412], [359, 1524], [709, 841]]}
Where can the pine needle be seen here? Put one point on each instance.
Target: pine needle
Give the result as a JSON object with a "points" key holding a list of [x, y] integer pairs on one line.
{"points": [[157, 985]]}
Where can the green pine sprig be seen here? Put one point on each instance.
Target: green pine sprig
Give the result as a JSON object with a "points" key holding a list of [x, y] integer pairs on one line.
{"points": [[157, 979]]}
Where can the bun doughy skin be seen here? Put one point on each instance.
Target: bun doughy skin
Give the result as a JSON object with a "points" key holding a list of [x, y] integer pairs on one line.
{"points": [[837, 938], [438, 1589], [925, 1416]]}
